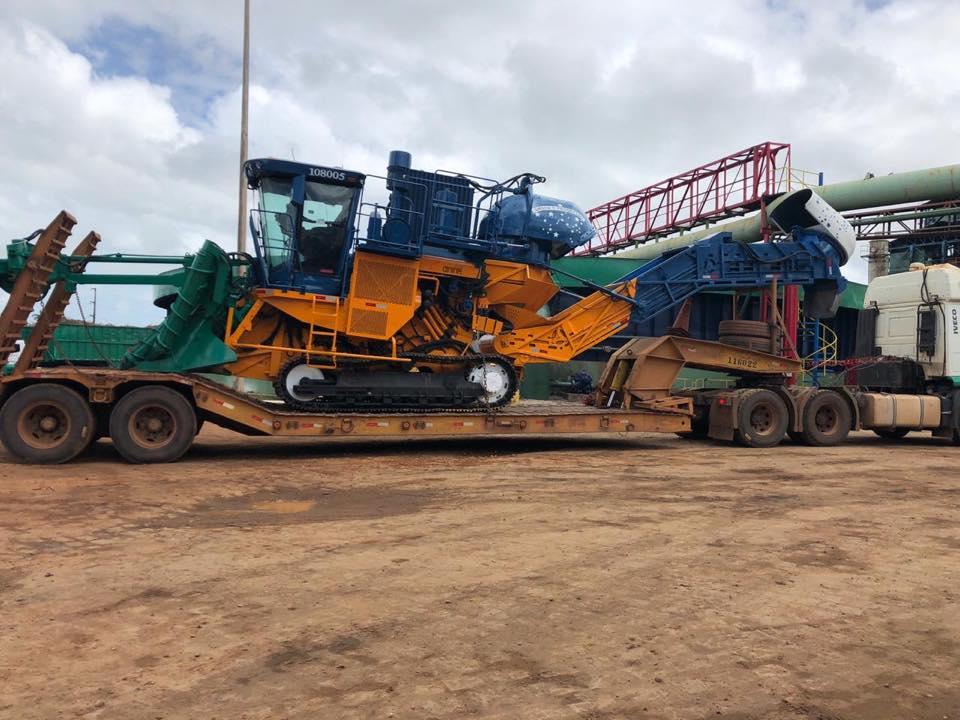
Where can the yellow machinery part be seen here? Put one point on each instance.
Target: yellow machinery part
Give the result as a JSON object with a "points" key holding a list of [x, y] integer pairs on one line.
{"points": [[525, 286], [643, 371], [567, 334]]}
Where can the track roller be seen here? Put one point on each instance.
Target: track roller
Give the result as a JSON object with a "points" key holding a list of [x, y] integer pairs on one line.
{"points": [[498, 379]]}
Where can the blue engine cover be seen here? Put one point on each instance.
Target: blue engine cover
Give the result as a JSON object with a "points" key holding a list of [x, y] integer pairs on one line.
{"points": [[555, 226]]}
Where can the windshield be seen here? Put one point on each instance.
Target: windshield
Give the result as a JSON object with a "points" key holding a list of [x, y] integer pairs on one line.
{"points": [[316, 247], [326, 219], [276, 220], [326, 204]]}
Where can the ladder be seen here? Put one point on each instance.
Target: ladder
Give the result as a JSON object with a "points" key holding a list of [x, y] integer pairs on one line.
{"points": [[320, 311], [819, 342], [52, 313], [32, 282]]}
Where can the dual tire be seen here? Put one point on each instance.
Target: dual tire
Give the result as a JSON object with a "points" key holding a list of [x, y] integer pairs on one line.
{"points": [[763, 419], [49, 424]]}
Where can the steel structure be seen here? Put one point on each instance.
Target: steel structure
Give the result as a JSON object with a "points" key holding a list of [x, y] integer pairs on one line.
{"points": [[911, 221], [733, 185]]}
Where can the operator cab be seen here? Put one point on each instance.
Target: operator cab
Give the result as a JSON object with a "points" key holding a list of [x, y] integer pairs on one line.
{"points": [[303, 225]]}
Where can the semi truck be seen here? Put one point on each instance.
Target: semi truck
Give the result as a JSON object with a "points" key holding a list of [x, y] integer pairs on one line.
{"points": [[151, 408]]}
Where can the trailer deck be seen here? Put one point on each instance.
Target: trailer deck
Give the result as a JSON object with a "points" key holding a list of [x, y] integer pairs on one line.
{"points": [[104, 389]]}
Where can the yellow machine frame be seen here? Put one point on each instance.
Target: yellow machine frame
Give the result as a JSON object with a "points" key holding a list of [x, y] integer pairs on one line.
{"points": [[384, 311]]}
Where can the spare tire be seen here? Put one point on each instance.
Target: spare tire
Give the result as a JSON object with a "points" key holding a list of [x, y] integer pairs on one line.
{"points": [[749, 343], [746, 328]]}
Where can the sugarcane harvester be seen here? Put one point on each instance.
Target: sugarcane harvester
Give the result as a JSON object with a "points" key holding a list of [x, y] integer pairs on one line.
{"points": [[429, 295]]}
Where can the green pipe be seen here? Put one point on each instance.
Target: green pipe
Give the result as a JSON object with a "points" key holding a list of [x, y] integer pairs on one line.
{"points": [[95, 279], [131, 259], [933, 184]]}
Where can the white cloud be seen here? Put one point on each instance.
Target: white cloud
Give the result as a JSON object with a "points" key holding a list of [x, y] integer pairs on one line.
{"points": [[602, 98]]}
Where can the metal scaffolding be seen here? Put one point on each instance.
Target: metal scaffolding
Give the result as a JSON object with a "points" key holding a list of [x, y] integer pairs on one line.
{"points": [[733, 185]]}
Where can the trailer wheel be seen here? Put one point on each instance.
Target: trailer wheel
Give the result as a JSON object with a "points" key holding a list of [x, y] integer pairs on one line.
{"points": [[762, 419], [826, 419], [892, 433], [152, 424], [47, 423]]}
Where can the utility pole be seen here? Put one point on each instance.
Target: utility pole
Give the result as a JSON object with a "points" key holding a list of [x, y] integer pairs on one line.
{"points": [[244, 101], [94, 305]]}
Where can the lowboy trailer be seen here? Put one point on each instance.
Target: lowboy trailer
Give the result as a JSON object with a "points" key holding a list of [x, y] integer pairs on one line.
{"points": [[51, 415]]}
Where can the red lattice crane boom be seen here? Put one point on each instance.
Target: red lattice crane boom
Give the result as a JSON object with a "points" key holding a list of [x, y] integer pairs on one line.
{"points": [[732, 185]]}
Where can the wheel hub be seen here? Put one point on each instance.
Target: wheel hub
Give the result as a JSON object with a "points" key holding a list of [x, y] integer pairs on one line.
{"points": [[297, 373], [44, 425], [826, 420], [761, 419], [494, 378], [152, 426]]}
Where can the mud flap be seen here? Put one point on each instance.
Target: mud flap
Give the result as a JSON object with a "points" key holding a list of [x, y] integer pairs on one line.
{"points": [[723, 417]]}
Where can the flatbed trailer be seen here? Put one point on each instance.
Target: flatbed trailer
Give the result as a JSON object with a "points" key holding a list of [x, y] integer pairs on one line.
{"points": [[51, 415]]}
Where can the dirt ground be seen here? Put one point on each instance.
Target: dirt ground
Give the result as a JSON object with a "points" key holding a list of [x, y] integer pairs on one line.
{"points": [[517, 578]]}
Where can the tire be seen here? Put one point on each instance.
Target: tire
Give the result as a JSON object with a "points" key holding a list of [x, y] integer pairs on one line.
{"points": [[152, 424], [826, 419], [47, 423], [745, 328], [748, 343], [892, 433], [762, 419]]}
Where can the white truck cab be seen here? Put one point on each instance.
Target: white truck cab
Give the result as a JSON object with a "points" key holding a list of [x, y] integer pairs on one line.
{"points": [[918, 317]]}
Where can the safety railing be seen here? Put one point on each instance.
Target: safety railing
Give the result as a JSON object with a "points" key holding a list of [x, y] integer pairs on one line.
{"points": [[820, 346], [440, 209]]}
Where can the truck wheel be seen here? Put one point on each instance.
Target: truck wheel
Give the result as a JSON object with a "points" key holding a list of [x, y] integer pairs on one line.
{"points": [[152, 424], [892, 433], [762, 419], [744, 328], [47, 423], [826, 419]]}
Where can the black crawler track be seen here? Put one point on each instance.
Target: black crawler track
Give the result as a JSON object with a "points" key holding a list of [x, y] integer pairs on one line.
{"points": [[383, 402]]}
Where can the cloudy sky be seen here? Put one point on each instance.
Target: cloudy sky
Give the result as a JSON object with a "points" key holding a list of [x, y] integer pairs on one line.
{"points": [[126, 112]]}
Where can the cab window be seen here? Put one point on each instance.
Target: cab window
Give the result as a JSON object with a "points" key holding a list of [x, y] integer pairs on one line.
{"points": [[324, 228]]}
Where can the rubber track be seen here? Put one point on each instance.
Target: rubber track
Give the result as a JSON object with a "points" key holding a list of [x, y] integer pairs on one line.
{"points": [[361, 409]]}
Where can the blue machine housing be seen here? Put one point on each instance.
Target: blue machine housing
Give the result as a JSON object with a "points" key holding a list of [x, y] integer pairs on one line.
{"points": [[718, 262], [308, 223], [547, 228], [457, 216]]}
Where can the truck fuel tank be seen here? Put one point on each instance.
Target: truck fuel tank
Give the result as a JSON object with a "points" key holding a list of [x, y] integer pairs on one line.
{"points": [[883, 410]]}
